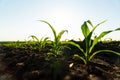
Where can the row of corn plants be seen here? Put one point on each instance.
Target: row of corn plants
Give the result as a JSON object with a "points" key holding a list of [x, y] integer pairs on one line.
{"points": [[57, 44], [90, 43]]}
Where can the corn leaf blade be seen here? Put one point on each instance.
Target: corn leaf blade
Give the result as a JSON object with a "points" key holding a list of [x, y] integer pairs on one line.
{"points": [[99, 37], [100, 51], [60, 34], [82, 58], [85, 29], [90, 23], [34, 37], [52, 28], [76, 45], [117, 29]]}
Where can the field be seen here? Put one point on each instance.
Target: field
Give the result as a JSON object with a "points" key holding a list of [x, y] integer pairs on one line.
{"points": [[45, 59], [33, 63]]}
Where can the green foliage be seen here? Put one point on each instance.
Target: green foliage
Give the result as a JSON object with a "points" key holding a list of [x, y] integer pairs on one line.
{"points": [[15, 44], [56, 43], [89, 43], [37, 43]]}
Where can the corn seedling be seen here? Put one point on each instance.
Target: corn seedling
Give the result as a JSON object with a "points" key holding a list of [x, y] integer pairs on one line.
{"points": [[38, 43], [88, 53], [56, 43]]}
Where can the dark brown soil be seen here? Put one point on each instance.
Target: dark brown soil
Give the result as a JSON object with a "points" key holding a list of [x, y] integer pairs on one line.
{"points": [[28, 64]]}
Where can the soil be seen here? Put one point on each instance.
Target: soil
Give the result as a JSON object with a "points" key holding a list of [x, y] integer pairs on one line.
{"points": [[34, 64]]}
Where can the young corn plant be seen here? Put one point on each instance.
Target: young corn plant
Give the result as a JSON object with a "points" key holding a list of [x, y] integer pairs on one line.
{"points": [[38, 43], [90, 43], [57, 44]]}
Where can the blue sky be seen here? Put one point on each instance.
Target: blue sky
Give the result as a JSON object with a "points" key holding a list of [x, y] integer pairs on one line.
{"points": [[19, 18]]}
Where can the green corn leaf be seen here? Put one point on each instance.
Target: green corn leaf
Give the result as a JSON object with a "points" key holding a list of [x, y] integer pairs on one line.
{"points": [[76, 45], [34, 37], [85, 29], [96, 39], [101, 23], [86, 32], [79, 57], [53, 30], [100, 51], [90, 34], [45, 40], [117, 29], [103, 34], [88, 38], [99, 37], [90, 23], [60, 34]]}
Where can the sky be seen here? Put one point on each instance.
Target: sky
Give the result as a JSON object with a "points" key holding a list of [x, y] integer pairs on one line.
{"points": [[20, 18]]}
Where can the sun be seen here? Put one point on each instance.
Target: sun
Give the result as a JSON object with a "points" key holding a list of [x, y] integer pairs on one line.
{"points": [[61, 16], [63, 19]]}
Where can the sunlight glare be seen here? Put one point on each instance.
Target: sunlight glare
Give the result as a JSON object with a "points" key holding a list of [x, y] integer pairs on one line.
{"points": [[61, 17]]}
